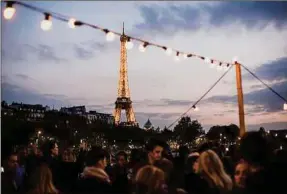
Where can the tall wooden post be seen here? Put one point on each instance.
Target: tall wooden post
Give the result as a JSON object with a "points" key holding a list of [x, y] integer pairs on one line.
{"points": [[240, 99]]}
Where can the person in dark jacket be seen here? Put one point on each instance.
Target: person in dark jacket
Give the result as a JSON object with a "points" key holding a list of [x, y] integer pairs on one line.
{"points": [[119, 173], [9, 177], [94, 178]]}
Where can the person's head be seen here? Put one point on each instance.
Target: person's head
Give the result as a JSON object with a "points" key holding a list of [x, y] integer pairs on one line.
{"points": [[240, 174], [154, 149], [192, 162], [97, 157], [121, 158], [12, 161], [255, 150], [211, 168], [51, 149], [42, 180], [150, 178], [54, 149]]}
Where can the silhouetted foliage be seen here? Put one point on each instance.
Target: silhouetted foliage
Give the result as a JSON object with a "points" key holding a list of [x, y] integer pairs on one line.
{"points": [[187, 130]]}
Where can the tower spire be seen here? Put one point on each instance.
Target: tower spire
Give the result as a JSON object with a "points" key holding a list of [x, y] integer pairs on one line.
{"points": [[123, 28]]}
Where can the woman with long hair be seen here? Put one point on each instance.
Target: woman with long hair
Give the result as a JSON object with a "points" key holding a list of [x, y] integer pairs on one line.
{"points": [[42, 181], [212, 171], [150, 180]]}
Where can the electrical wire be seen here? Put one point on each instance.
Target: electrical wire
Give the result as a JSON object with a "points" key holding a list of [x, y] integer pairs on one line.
{"points": [[194, 105], [266, 85]]}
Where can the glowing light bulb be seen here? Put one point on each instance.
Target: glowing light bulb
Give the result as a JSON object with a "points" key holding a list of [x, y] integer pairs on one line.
{"points": [[195, 108], [142, 47], [285, 106], [168, 51], [207, 60], [9, 12], [110, 36], [129, 45], [212, 65], [225, 68], [235, 60], [71, 23], [46, 24], [219, 67], [185, 56], [176, 58]]}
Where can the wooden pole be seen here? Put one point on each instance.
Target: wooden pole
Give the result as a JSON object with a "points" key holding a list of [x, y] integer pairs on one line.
{"points": [[240, 99]]}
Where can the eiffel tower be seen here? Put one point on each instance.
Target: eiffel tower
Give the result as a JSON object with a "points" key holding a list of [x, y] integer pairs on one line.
{"points": [[123, 101]]}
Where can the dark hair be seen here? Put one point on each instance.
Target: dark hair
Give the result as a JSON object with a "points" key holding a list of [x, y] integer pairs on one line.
{"points": [[255, 148], [152, 143], [47, 146], [121, 153], [95, 155]]}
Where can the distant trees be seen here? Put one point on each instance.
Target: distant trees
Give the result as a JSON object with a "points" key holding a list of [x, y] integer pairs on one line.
{"points": [[187, 130], [230, 132]]}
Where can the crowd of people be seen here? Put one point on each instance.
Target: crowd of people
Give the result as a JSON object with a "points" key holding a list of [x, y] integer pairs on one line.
{"points": [[251, 167]]}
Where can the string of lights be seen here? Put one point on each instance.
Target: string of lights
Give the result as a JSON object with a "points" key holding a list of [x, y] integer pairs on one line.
{"points": [[46, 25], [194, 104]]}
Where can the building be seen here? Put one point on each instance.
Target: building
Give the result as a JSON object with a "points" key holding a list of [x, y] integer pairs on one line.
{"points": [[93, 116], [31, 111], [148, 125], [75, 110]]}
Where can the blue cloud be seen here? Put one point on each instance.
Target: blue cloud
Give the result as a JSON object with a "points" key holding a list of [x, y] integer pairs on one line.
{"points": [[171, 18], [11, 92], [263, 97], [274, 70]]}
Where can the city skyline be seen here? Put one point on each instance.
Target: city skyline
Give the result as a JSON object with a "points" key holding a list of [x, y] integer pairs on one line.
{"points": [[66, 66]]}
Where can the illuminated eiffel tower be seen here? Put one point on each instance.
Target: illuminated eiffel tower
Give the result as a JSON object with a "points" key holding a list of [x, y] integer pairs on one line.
{"points": [[123, 101]]}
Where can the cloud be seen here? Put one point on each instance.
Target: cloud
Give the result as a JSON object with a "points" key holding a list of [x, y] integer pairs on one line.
{"points": [[263, 97], [11, 92], [83, 53], [88, 49], [23, 52], [44, 52], [171, 18], [23, 77], [271, 71]]}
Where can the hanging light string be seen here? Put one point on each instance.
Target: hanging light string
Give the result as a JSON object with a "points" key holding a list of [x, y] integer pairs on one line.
{"points": [[194, 105], [63, 18], [266, 85]]}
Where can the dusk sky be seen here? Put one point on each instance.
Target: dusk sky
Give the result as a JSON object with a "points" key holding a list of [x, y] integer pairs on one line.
{"points": [[65, 67]]}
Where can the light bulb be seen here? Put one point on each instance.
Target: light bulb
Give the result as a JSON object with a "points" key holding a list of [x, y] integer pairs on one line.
{"points": [[71, 23], [219, 67], [225, 68], [110, 36], [235, 60], [9, 12], [212, 65], [285, 106], [207, 60], [176, 57], [129, 45], [185, 56], [195, 108], [142, 47], [168, 51], [46, 24]]}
